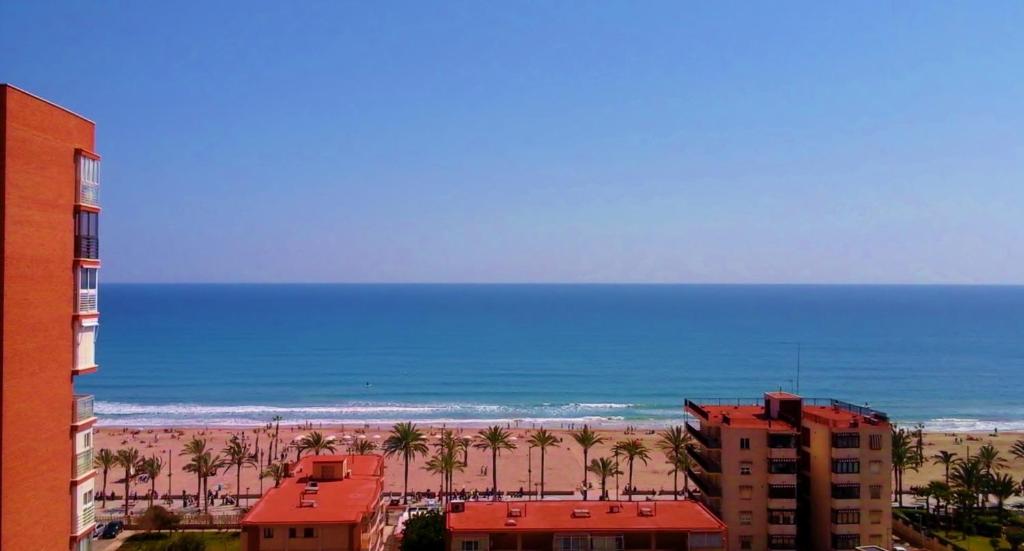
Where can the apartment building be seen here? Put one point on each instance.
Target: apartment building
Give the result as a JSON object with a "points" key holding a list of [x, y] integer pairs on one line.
{"points": [[49, 178], [583, 526], [784, 473], [327, 503]]}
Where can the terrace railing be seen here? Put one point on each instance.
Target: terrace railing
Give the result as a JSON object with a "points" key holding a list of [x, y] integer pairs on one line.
{"points": [[82, 408], [83, 463]]}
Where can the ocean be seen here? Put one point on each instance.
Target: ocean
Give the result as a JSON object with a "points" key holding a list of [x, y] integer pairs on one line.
{"points": [[951, 357]]}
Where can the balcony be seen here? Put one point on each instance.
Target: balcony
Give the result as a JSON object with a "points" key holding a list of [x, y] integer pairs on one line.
{"points": [[88, 180], [89, 194], [706, 463], [83, 464], [82, 408], [705, 485], [87, 247], [88, 301], [705, 440], [85, 520], [781, 542]]}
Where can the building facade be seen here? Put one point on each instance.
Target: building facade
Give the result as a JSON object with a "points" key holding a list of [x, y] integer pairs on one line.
{"points": [[583, 526], [49, 178], [788, 473], [327, 503]]}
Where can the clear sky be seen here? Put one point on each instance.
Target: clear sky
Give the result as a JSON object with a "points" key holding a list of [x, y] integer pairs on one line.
{"points": [[875, 142]]}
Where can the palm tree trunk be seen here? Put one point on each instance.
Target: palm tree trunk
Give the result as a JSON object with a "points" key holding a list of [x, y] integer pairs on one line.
{"points": [[494, 473], [405, 491], [206, 499], [152, 492], [238, 485], [542, 473], [126, 479], [604, 485], [104, 488], [585, 474], [686, 483], [631, 489], [675, 484]]}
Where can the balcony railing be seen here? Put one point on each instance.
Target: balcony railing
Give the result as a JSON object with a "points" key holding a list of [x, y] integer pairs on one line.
{"points": [[88, 301], [89, 194], [83, 463], [706, 486], [705, 440], [84, 520], [82, 408], [706, 462], [87, 247]]}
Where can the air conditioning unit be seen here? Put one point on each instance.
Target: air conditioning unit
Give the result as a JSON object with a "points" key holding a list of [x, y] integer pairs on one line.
{"points": [[616, 508], [646, 512], [458, 506], [515, 512], [581, 513]]}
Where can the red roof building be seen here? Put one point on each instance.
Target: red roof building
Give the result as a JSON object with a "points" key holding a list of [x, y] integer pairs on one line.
{"points": [[583, 526], [328, 503]]}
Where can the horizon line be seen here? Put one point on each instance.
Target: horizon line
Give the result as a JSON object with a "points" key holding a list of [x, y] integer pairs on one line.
{"points": [[577, 283]]}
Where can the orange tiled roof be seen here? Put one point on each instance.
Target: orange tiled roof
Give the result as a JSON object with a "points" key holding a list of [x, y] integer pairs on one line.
{"points": [[838, 417], [558, 516], [342, 501], [751, 417]]}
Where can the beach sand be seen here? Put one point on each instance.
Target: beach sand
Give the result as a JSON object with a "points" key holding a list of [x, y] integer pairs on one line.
{"points": [[564, 470]]}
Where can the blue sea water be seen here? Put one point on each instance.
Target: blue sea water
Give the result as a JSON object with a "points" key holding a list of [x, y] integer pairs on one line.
{"points": [[952, 357]]}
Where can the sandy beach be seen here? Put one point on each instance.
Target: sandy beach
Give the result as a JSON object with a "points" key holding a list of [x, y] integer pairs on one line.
{"points": [[564, 468]]}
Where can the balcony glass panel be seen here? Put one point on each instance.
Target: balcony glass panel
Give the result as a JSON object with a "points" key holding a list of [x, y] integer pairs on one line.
{"points": [[83, 463], [88, 181], [83, 408]]}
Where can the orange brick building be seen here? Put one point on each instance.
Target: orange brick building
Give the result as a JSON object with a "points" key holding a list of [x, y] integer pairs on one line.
{"points": [[328, 503], [49, 179], [583, 526], [790, 473]]}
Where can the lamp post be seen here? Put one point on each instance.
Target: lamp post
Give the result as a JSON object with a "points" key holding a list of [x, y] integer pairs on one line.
{"points": [[529, 471]]}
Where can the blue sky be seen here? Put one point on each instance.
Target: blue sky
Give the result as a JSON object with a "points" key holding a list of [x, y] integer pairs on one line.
{"points": [[875, 142]]}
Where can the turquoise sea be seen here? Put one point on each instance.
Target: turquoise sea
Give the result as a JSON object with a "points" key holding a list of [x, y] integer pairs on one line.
{"points": [[949, 356]]}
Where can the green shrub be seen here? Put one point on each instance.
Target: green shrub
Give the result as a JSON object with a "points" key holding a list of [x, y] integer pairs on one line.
{"points": [[1015, 536], [989, 529], [424, 532], [185, 541], [159, 519]]}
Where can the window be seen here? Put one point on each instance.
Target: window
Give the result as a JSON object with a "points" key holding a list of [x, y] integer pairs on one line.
{"points": [[87, 285], [308, 533], [875, 441], [782, 466], [746, 542], [846, 491], [845, 466], [845, 541], [746, 467], [781, 542], [87, 235], [88, 181], [87, 440], [783, 441], [781, 491], [744, 443], [606, 543], [701, 540], [268, 533], [470, 545], [746, 518], [572, 543], [876, 491], [875, 517], [846, 440], [845, 516], [746, 492], [781, 516], [87, 497], [292, 533]]}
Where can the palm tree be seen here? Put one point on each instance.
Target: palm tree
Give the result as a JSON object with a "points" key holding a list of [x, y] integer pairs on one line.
{"points": [[989, 458], [237, 454], [361, 446], [128, 459], [968, 478], [194, 448], [316, 442], [495, 439], [940, 491], [151, 467], [946, 459], [904, 457], [683, 464], [1017, 449], [604, 468], [274, 444], [633, 449], [205, 465], [104, 461], [408, 441], [445, 462], [672, 442], [1003, 486], [543, 439], [277, 471], [586, 439]]}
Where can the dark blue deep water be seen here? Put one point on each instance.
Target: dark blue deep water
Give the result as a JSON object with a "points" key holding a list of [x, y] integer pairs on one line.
{"points": [[218, 354]]}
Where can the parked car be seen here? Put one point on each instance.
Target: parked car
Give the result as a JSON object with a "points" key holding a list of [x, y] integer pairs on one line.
{"points": [[97, 530], [112, 530]]}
